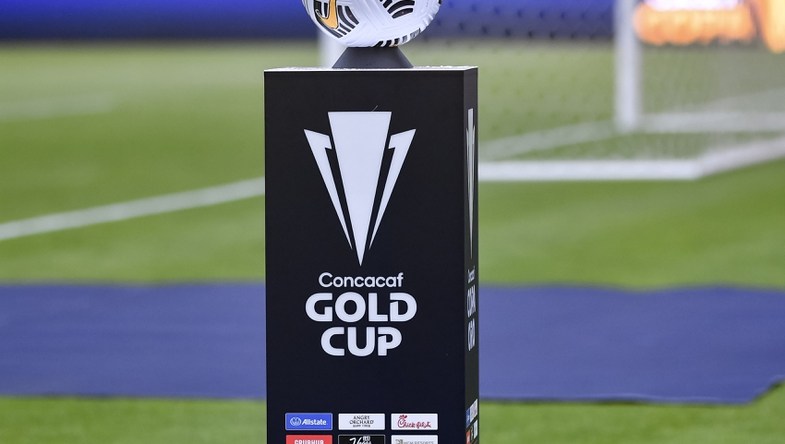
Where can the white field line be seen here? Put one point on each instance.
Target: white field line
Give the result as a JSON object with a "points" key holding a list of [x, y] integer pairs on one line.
{"points": [[133, 209], [543, 170], [712, 162], [774, 97], [547, 139], [728, 114], [50, 107], [706, 117], [713, 122], [741, 155]]}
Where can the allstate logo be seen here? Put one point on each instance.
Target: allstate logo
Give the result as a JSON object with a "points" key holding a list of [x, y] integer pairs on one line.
{"points": [[309, 421]]}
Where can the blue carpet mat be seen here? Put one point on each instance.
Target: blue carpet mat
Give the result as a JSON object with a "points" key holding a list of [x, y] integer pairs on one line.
{"points": [[693, 345]]}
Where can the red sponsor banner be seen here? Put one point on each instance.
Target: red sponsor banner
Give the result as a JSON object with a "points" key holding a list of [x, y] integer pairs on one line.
{"points": [[309, 439]]}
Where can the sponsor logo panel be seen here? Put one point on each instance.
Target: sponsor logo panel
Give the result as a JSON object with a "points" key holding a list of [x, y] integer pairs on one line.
{"points": [[471, 413], [309, 421], [414, 421], [365, 421], [309, 439], [361, 439], [473, 432], [415, 439]]}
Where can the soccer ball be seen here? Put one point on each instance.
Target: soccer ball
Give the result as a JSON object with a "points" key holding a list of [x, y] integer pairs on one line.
{"points": [[365, 23]]}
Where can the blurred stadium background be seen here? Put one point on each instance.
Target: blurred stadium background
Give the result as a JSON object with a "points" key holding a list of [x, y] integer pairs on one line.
{"points": [[105, 107]]}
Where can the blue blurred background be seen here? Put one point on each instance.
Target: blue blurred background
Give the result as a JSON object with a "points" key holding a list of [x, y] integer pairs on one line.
{"points": [[251, 19]]}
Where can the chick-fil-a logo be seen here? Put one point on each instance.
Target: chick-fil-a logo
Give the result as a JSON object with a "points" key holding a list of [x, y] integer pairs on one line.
{"points": [[418, 421]]}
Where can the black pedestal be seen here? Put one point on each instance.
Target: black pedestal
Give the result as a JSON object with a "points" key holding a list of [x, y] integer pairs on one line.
{"points": [[371, 228]]}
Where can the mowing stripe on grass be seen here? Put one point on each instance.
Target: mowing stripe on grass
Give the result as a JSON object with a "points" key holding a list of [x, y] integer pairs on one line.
{"points": [[44, 108], [710, 163], [122, 211]]}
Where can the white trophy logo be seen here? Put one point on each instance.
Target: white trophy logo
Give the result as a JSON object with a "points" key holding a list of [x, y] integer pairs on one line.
{"points": [[358, 144]]}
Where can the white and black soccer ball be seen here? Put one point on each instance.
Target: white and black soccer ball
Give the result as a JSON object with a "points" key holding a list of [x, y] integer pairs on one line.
{"points": [[367, 23]]}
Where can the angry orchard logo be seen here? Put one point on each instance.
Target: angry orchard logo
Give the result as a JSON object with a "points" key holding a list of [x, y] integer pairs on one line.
{"points": [[351, 165]]}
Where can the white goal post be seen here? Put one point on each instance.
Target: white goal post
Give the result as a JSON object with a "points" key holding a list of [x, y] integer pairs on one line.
{"points": [[627, 63]]}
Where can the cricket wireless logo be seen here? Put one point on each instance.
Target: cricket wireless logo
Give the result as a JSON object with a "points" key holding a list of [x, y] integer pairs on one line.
{"points": [[351, 162]]}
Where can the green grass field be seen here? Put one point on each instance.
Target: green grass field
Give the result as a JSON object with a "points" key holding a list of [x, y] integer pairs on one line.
{"points": [[138, 121]]}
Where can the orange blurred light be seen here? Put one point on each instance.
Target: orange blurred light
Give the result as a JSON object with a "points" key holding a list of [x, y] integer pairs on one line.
{"points": [[684, 26]]}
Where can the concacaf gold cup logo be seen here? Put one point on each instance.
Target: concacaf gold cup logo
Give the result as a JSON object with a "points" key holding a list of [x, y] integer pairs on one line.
{"points": [[689, 22]]}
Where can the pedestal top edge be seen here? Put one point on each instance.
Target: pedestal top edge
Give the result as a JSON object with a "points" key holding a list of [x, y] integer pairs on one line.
{"points": [[415, 69]]}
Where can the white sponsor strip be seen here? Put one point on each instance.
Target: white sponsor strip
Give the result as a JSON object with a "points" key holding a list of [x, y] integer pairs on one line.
{"points": [[471, 165], [414, 439], [56, 107], [122, 211]]}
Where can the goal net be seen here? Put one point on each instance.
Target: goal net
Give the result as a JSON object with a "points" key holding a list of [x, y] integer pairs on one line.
{"points": [[701, 83], [624, 89]]}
